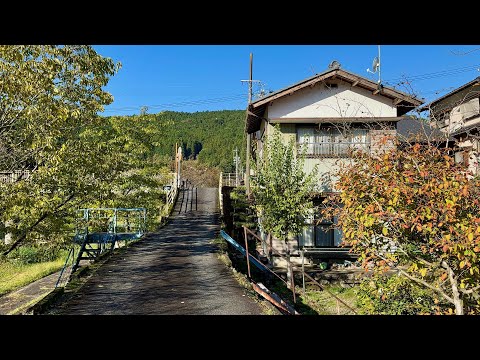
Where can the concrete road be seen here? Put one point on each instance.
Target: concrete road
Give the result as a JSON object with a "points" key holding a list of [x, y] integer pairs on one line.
{"points": [[172, 271]]}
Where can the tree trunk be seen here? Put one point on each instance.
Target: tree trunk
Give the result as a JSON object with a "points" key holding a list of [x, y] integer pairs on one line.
{"points": [[458, 306], [457, 300], [9, 235], [290, 279], [289, 265]]}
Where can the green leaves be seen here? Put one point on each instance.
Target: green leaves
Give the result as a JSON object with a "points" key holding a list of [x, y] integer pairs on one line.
{"points": [[281, 188]]}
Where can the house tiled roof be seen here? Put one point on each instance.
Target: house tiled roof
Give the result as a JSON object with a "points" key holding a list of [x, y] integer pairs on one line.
{"points": [[453, 92], [419, 129]]}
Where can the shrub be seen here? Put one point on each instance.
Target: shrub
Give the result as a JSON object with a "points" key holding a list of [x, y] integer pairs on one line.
{"points": [[395, 295]]}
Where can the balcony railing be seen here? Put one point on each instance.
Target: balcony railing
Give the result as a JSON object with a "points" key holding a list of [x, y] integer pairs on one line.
{"points": [[332, 149], [231, 179], [13, 176]]}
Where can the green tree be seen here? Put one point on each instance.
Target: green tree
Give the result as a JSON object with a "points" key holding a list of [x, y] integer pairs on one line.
{"points": [[415, 209], [282, 190], [48, 96]]}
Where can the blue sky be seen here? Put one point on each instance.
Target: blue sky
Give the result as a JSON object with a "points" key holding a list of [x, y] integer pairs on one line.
{"points": [[207, 77]]}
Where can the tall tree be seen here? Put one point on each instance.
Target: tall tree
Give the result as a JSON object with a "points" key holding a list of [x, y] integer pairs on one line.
{"points": [[48, 96], [282, 190]]}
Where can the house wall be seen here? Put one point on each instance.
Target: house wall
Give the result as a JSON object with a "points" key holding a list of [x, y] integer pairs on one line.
{"points": [[380, 140], [458, 110], [343, 101], [469, 154], [327, 167]]}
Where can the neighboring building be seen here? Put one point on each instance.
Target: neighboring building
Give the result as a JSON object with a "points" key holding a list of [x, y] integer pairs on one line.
{"points": [[457, 115], [329, 113]]}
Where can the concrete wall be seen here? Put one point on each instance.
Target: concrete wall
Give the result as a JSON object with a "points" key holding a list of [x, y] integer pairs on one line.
{"points": [[343, 101]]}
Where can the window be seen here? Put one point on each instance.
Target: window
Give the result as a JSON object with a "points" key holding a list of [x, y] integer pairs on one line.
{"points": [[332, 142], [319, 234]]}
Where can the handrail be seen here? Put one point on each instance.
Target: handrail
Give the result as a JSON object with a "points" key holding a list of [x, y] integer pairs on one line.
{"points": [[72, 251], [308, 276]]}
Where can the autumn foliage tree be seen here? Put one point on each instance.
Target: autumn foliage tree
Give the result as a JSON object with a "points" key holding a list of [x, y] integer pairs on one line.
{"points": [[414, 210]]}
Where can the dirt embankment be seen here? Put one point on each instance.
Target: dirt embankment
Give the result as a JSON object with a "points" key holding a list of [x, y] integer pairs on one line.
{"points": [[200, 175]]}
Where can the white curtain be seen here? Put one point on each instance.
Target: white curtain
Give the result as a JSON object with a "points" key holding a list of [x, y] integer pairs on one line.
{"points": [[360, 139], [306, 136]]}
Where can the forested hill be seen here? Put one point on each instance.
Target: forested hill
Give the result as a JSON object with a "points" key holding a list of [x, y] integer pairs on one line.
{"points": [[209, 136]]}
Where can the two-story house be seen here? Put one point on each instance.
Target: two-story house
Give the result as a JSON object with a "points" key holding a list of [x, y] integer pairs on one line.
{"points": [[329, 114], [457, 115]]}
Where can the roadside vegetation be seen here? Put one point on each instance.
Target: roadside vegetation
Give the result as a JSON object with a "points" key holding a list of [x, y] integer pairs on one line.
{"points": [[27, 266]]}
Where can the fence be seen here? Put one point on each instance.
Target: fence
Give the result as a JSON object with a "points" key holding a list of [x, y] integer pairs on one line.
{"points": [[292, 267], [171, 194], [13, 176], [231, 179]]}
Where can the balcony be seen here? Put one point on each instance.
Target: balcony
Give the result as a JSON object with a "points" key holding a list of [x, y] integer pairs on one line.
{"points": [[332, 149], [13, 176]]}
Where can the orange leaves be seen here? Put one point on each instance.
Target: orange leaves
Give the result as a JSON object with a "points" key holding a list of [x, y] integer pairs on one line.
{"points": [[445, 248], [443, 277], [465, 191]]}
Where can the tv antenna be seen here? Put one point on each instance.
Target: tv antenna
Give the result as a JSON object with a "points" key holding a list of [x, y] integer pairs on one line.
{"points": [[376, 66]]}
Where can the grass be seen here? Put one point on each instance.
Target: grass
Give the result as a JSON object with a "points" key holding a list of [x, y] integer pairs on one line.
{"points": [[15, 275], [324, 304], [319, 302]]}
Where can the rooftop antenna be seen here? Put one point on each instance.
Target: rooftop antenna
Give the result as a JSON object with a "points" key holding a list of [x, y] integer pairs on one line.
{"points": [[376, 66]]}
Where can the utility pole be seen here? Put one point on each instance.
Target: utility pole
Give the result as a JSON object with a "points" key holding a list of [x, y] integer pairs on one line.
{"points": [[247, 156], [236, 161]]}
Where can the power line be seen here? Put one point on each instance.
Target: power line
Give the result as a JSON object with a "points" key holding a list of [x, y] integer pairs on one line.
{"points": [[182, 103], [436, 74]]}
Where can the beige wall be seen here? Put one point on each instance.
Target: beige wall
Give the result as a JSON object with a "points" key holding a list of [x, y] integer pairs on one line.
{"points": [[380, 140], [343, 101]]}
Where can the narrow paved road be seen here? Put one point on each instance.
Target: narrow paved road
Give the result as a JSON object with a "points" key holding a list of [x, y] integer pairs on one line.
{"points": [[172, 271]]}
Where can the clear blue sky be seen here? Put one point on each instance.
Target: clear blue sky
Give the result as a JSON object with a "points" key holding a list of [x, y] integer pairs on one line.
{"points": [[207, 77]]}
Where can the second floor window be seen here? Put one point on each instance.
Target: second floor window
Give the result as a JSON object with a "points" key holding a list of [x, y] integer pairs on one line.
{"points": [[332, 141]]}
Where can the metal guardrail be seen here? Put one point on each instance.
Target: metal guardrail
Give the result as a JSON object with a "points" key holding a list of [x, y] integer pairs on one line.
{"points": [[271, 250], [231, 179]]}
